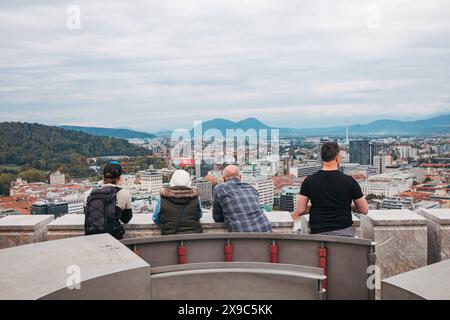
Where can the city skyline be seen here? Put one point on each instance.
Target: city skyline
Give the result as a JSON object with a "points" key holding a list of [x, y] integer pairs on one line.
{"points": [[153, 65]]}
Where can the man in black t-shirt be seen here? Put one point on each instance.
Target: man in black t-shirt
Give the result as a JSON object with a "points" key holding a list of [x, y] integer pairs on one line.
{"points": [[331, 194]]}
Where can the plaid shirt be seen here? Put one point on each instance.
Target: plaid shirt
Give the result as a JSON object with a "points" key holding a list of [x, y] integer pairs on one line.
{"points": [[237, 204]]}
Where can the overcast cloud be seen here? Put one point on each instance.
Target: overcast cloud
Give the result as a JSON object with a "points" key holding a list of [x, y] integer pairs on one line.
{"points": [[152, 65]]}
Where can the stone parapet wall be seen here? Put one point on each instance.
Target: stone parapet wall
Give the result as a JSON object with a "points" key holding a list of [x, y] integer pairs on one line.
{"points": [[438, 228], [401, 237], [405, 240], [22, 229]]}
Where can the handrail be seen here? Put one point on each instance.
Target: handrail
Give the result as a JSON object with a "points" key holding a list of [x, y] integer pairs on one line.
{"points": [[249, 235]]}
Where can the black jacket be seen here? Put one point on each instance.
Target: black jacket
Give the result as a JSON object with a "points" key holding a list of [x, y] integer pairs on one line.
{"points": [[180, 211]]}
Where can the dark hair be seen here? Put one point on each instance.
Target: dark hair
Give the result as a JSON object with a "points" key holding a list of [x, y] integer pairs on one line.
{"points": [[329, 151], [110, 180]]}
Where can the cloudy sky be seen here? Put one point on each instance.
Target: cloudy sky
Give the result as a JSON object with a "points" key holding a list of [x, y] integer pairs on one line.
{"points": [[153, 65]]}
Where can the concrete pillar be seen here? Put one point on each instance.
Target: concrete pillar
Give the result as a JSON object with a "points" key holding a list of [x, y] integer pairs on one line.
{"points": [[401, 237], [438, 225], [23, 229]]}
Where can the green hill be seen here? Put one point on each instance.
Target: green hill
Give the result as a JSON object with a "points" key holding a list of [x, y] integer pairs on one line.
{"points": [[47, 147]]}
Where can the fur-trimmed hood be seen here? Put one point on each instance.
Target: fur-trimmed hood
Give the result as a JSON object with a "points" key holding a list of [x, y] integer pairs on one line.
{"points": [[179, 193]]}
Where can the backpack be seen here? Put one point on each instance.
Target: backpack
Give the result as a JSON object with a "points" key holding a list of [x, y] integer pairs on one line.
{"points": [[100, 213]]}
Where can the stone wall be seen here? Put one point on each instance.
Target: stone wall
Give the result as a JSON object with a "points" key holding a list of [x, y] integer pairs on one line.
{"points": [[142, 225], [438, 228], [405, 240], [21, 229], [401, 237]]}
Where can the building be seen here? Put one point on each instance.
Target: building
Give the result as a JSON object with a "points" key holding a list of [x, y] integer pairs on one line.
{"points": [[374, 150], [75, 203], [57, 209], [264, 186], [360, 151], [204, 188], [57, 178], [280, 182], [380, 162], [393, 177], [151, 181], [383, 189], [127, 181], [355, 169], [288, 199], [406, 152], [397, 203], [307, 170]]}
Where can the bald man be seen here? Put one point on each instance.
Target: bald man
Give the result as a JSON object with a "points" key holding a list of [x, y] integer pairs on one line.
{"points": [[237, 204]]}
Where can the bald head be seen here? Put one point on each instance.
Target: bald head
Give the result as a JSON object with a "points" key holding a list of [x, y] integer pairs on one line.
{"points": [[231, 172]]}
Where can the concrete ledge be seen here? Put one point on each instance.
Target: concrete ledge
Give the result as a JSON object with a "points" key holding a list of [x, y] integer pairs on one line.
{"points": [[401, 237], [104, 267], [438, 228], [142, 225], [430, 283], [23, 229]]}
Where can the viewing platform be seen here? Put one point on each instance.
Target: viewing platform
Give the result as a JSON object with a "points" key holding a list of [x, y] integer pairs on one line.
{"points": [[222, 265]]}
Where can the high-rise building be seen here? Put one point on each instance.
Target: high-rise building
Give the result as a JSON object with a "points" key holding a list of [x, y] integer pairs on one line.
{"points": [[57, 178], [380, 162], [288, 198], [152, 181], [374, 150], [360, 151], [346, 133], [204, 188], [264, 186]]}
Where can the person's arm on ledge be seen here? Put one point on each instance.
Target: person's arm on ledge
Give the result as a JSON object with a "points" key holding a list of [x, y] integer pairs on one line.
{"points": [[156, 212], [360, 206], [126, 215], [217, 210], [302, 207]]}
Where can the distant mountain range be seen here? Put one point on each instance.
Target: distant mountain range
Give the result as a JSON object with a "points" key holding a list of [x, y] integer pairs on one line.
{"points": [[222, 125], [436, 125], [112, 132]]}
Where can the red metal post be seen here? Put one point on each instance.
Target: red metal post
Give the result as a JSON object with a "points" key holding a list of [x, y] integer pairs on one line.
{"points": [[273, 252], [182, 259], [228, 249], [323, 262]]}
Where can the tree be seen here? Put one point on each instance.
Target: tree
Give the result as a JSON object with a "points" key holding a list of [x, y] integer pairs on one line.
{"points": [[5, 183], [33, 175]]}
